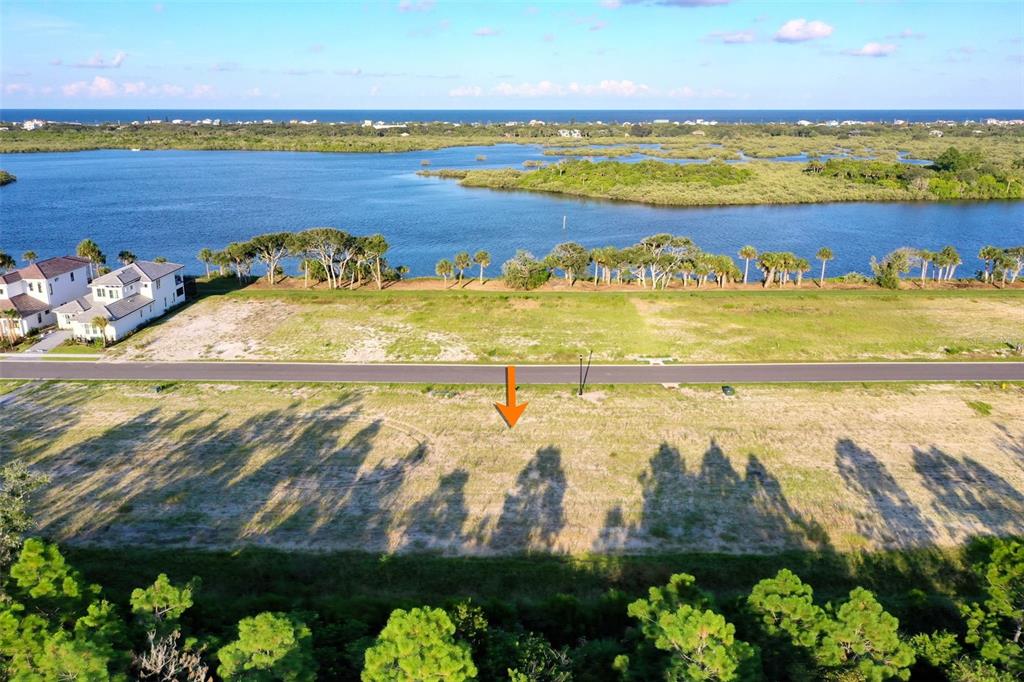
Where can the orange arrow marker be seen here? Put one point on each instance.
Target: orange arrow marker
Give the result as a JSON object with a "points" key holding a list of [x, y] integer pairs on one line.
{"points": [[510, 412]]}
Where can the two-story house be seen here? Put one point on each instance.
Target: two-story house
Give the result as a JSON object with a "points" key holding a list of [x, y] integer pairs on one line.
{"points": [[127, 298], [28, 296]]}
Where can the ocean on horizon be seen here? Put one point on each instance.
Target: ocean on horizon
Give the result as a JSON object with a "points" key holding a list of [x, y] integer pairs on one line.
{"points": [[94, 116]]}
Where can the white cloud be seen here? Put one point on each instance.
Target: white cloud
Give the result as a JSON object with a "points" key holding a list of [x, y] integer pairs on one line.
{"points": [[415, 5], [486, 31], [200, 91], [158, 8], [528, 89], [56, 61], [98, 87], [732, 37], [872, 50], [169, 90], [623, 88], [98, 62], [598, 25], [548, 38], [225, 66], [611, 4], [136, 88], [686, 92], [799, 30], [374, 90], [18, 89], [546, 88], [466, 91]]}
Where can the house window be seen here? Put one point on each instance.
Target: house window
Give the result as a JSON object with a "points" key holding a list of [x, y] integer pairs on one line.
{"points": [[51, 289], [158, 284], [39, 318], [72, 276], [99, 293]]}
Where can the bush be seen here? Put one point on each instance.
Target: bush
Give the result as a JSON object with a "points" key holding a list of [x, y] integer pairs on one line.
{"points": [[524, 271]]}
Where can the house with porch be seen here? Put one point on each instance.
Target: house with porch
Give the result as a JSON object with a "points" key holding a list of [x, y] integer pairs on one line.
{"points": [[126, 298], [29, 295]]}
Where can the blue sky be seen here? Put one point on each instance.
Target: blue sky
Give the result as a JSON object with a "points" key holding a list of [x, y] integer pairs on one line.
{"points": [[629, 54]]}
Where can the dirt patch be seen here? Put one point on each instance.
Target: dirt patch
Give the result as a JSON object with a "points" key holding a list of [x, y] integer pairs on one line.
{"points": [[223, 330]]}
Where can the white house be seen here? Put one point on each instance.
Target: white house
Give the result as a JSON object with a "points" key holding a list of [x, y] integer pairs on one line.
{"points": [[127, 297], [34, 291]]}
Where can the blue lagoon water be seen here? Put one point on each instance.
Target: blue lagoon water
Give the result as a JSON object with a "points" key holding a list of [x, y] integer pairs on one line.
{"points": [[172, 203]]}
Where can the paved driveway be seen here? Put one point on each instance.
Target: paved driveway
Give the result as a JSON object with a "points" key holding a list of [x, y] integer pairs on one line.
{"points": [[50, 341]]}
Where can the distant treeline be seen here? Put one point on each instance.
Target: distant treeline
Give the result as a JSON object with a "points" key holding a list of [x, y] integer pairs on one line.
{"points": [[661, 260], [953, 175]]}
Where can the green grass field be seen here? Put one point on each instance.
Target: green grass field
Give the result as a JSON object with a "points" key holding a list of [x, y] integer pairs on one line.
{"points": [[475, 326], [418, 469]]}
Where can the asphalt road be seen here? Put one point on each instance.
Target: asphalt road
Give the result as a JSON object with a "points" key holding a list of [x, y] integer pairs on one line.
{"points": [[526, 374]]}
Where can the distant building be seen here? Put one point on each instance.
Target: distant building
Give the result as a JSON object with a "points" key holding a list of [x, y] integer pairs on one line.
{"points": [[32, 124], [127, 297], [575, 132], [35, 290], [701, 133], [935, 133]]}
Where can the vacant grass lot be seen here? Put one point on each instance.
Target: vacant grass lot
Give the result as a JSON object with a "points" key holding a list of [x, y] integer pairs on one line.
{"points": [[705, 326], [628, 469]]}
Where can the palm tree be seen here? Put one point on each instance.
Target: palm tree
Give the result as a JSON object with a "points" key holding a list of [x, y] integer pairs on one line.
{"points": [[462, 263], [6, 262], [29, 256], [747, 253], [90, 250], [801, 265], [824, 255], [126, 257], [11, 328], [100, 323], [206, 257], [444, 268], [988, 254], [925, 257], [483, 259], [951, 259]]}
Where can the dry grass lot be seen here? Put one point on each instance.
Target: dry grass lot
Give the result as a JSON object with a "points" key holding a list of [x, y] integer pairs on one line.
{"points": [[634, 469], [480, 326]]}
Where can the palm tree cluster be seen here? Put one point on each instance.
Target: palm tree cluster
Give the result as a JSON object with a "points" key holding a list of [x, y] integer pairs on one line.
{"points": [[325, 254], [654, 262], [1005, 264], [462, 261], [779, 267]]}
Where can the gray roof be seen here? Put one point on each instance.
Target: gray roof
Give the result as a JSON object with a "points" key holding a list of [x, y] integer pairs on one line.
{"points": [[87, 307], [145, 270], [127, 306]]}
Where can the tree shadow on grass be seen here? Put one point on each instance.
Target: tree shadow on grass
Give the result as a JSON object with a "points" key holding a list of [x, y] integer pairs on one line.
{"points": [[715, 508], [969, 498], [532, 515], [1012, 444], [890, 518]]}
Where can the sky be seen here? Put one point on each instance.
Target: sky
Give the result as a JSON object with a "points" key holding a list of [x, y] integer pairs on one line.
{"points": [[441, 54]]}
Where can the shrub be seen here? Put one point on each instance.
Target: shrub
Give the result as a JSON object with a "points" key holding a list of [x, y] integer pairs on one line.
{"points": [[524, 271]]}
